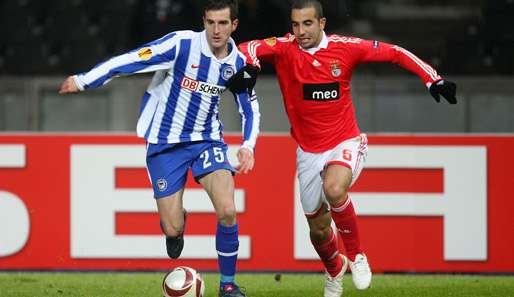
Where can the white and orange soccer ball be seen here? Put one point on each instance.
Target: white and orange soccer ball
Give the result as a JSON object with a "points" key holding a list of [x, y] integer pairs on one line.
{"points": [[183, 282]]}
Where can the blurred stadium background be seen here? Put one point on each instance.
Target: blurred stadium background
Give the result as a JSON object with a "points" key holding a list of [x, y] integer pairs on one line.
{"points": [[470, 42]]}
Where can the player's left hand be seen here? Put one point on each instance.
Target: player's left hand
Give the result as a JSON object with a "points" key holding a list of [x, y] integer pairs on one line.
{"points": [[445, 88], [68, 86], [243, 80], [246, 160]]}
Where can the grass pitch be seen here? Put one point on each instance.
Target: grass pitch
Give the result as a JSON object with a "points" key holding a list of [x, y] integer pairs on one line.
{"points": [[114, 284]]}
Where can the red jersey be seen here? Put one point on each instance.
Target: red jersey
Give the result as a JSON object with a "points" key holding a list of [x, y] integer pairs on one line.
{"points": [[315, 83]]}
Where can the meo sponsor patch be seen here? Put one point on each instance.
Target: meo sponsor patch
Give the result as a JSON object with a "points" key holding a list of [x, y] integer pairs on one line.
{"points": [[145, 53], [321, 92]]}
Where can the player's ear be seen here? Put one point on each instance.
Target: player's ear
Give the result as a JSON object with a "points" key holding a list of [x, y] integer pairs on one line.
{"points": [[235, 23], [322, 22]]}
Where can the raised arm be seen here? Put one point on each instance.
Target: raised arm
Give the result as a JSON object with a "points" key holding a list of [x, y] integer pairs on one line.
{"points": [[153, 56], [375, 51]]}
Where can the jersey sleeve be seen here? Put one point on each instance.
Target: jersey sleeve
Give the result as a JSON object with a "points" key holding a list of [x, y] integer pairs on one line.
{"points": [[264, 49], [375, 51], [248, 108], [153, 56]]}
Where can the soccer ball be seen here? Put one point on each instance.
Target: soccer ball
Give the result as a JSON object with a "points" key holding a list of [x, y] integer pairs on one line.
{"points": [[183, 281]]}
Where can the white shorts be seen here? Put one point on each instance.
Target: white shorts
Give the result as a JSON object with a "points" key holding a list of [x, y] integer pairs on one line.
{"points": [[350, 153]]}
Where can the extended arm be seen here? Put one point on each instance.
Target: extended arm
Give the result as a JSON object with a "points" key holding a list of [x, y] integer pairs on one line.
{"points": [[374, 51], [156, 55]]}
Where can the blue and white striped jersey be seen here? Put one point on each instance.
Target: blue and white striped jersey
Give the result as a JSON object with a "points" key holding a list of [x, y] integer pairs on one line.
{"points": [[181, 103]]}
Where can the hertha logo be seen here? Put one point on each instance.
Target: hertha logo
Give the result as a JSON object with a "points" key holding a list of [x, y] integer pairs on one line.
{"points": [[227, 72], [162, 185]]}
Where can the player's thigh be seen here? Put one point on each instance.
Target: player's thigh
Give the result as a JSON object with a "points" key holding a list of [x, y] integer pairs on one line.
{"points": [[219, 185], [167, 166], [309, 167], [345, 162], [336, 180], [212, 169]]}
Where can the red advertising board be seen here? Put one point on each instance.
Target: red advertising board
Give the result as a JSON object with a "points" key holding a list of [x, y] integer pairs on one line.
{"points": [[425, 203]]}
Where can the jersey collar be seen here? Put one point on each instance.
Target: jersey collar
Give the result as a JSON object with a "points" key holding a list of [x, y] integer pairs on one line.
{"points": [[323, 44], [206, 50]]}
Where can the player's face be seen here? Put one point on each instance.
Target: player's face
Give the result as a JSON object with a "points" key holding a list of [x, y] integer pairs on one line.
{"points": [[307, 28], [218, 26]]}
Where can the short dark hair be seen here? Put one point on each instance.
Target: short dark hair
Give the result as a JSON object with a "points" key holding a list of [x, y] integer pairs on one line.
{"points": [[301, 4], [222, 4]]}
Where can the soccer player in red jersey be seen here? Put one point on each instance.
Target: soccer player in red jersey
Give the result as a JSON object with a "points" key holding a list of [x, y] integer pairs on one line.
{"points": [[314, 71]]}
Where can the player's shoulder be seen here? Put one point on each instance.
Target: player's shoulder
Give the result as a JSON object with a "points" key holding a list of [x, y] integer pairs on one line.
{"points": [[288, 38], [186, 34], [337, 40], [279, 41], [240, 55]]}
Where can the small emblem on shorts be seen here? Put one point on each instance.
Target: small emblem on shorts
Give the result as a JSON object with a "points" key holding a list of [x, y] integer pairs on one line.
{"points": [[162, 184]]}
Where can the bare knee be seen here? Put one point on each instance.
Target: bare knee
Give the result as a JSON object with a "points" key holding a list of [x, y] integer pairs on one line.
{"points": [[334, 191], [227, 214]]}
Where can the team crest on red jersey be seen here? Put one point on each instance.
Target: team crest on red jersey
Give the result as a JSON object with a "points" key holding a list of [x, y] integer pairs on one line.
{"points": [[335, 66]]}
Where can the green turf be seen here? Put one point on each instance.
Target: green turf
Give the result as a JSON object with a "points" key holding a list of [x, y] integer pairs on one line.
{"points": [[257, 285]]}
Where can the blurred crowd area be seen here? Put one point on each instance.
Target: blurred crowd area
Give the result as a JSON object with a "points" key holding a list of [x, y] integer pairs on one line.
{"points": [[55, 37]]}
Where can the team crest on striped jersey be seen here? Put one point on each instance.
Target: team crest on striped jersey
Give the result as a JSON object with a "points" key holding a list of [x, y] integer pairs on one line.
{"points": [[335, 66], [227, 72], [145, 53]]}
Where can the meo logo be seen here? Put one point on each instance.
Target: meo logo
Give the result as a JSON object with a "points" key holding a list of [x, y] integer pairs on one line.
{"points": [[321, 92]]}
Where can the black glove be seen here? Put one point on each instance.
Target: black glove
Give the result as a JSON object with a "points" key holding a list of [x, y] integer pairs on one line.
{"points": [[243, 80], [445, 88]]}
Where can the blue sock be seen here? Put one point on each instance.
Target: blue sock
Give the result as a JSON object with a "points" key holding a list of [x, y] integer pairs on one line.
{"points": [[227, 245]]}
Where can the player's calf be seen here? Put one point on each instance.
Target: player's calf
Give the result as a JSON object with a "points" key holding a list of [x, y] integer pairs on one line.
{"points": [[175, 244]]}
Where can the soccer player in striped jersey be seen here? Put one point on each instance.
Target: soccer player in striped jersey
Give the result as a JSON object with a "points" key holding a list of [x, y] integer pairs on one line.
{"points": [[314, 72], [179, 120]]}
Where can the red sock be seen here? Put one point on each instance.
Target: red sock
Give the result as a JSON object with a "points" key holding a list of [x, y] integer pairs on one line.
{"points": [[346, 222], [329, 254]]}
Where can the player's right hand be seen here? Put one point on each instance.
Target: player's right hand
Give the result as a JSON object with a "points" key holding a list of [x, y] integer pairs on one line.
{"points": [[69, 86], [246, 160], [445, 88], [243, 80]]}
